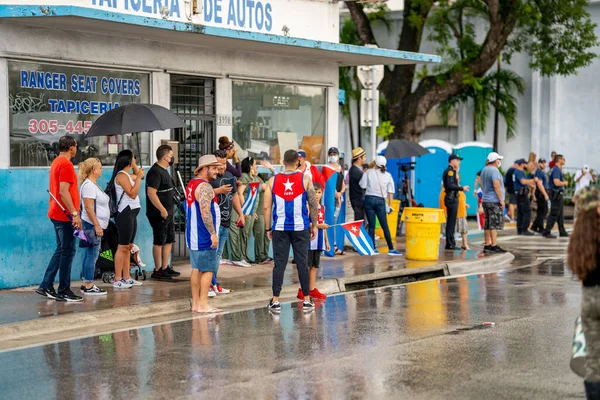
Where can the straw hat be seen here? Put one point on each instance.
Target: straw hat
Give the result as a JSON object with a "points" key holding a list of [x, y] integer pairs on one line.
{"points": [[358, 152], [205, 161]]}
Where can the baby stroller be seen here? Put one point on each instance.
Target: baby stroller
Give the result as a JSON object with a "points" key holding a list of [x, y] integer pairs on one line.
{"points": [[105, 266]]}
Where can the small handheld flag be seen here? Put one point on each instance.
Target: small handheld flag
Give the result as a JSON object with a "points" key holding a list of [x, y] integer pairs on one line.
{"points": [[358, 236], [250, 202]]}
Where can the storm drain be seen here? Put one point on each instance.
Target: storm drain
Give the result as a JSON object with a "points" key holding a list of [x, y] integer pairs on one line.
{"points": [[393, 280]]}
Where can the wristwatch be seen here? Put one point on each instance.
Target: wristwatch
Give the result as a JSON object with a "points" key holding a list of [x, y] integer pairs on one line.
{"points": [[75, 213]]}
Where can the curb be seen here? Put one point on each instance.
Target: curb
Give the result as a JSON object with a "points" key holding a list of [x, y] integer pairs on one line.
{"points": [[14, 334]]}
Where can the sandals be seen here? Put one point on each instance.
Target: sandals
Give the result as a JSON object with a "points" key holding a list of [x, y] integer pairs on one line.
{"points": [[211, 311], [339, 252]]}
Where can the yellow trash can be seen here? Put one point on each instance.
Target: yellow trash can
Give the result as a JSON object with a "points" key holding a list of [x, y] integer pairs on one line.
{"points": [[423, 232], [392, 220]]}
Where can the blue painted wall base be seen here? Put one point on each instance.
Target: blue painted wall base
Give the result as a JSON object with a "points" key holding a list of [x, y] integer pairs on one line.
{"points": [[28, 239]]}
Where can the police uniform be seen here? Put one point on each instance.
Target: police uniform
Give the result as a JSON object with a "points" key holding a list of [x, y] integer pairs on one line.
{"points": [[523, 204], [556, 204], [451, 201]]}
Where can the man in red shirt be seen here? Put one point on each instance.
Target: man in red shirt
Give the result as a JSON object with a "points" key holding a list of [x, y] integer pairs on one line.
{"points": [[63, 185]]}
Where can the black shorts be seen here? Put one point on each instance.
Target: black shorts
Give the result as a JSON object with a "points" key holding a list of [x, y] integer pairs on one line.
{"points": [[126, 222], [512, 198], [314, 258], [163, 230], [494, 216]]}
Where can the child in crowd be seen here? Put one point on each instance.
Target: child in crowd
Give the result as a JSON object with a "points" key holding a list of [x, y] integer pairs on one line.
{"points": [[462, 226], [316, 246]]}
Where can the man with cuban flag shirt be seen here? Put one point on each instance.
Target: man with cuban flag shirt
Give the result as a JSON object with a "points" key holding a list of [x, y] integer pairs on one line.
{"points": [[289, 199]]}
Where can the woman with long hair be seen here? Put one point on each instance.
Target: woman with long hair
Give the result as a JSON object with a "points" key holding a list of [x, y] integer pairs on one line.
{"points": [[127, 186], [239, 236], [583, 258], [229, 147], [95, 215], [379, 186]]}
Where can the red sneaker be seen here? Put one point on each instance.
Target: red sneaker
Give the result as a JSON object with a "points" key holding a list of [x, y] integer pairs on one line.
{"points": [[315, 294], [300, 294]]}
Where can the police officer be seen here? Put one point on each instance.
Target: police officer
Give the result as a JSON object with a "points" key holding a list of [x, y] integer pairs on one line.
{"points": [[541, 196], [557, 185], [521, 185], [451, 199]]}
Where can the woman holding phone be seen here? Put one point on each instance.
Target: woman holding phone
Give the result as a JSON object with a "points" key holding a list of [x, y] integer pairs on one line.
{"points": [[127, 180]]}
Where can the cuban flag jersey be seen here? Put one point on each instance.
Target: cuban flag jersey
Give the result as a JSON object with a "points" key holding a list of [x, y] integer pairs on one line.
{"points": [[290, 203], [318, 243], [196, 234]]}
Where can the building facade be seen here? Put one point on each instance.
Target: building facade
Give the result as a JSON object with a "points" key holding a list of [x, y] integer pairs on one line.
{"points": [[264, 73]]}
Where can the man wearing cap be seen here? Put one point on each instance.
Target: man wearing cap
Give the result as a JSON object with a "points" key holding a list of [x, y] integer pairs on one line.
{"points": [[203, 218], [492, 202], [307, 168], [521, 185], [452, 188], [541, 197], [510, 190], [357, 198], [557, 184]]}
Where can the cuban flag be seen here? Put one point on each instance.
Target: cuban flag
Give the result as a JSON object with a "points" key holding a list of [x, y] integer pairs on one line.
{"points": [[480, 216], [250, 202], [334, 234], [358, 236]]}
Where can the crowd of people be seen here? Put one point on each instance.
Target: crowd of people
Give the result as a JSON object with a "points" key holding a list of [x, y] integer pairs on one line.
{"points": [[221, 216]]}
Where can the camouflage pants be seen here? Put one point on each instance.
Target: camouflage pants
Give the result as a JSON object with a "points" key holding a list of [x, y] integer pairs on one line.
{"points": [[590, 321]]}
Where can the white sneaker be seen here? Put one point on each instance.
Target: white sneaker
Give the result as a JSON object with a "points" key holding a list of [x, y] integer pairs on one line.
{"points": [[133, 282], [242, 263], [221, 290], [211, 293], [122, 285], [226, 262]]}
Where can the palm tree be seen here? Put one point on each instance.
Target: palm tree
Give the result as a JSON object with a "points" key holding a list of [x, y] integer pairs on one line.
{"points": [[498, 89], [348, 80]]}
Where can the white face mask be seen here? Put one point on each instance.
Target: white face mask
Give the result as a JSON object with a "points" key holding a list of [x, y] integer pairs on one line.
{"points": [[333, 159], [499, 164]]}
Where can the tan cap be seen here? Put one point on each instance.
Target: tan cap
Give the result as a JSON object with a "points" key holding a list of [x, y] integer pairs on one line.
{"points": [[205, 161], [358, 152]]}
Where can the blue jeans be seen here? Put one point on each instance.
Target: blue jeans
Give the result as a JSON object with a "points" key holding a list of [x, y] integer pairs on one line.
{"points": [[223, 235], [62, 260], [89, 258], [375, 207]]}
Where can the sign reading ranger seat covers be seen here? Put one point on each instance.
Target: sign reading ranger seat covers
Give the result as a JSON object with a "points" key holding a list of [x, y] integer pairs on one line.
{"points": [[307, 19]]}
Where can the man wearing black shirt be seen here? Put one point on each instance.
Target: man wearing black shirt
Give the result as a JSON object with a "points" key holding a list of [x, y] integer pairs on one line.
{"points": [[357, 198], [160, 206]]}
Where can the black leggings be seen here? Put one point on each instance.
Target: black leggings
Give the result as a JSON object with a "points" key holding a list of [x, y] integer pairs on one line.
{"points": [[126, 222]]}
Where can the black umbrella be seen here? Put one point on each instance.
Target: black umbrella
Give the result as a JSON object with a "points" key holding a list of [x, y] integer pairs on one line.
{"points": [[135, 118], [402, 148]]}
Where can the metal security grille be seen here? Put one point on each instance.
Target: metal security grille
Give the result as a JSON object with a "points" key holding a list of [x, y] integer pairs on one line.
{"points": [[193, 99]]}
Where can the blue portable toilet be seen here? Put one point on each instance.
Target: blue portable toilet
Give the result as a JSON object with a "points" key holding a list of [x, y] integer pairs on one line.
{"points": [[428, 172], [475, 156]]}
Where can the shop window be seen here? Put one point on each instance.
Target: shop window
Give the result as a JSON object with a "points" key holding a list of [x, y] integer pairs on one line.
{"points": [[269, 118], [49, 101]]}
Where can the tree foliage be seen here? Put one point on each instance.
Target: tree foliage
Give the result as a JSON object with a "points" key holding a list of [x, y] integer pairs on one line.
{"points": [[470, 35]]}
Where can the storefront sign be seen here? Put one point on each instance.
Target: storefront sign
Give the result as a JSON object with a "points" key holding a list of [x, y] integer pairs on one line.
{"points": [[307, 19], [56, 100], [289, 102]]}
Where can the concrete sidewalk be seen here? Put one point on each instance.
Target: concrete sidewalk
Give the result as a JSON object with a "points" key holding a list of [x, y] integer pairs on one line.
{"points": [[25, 314]]}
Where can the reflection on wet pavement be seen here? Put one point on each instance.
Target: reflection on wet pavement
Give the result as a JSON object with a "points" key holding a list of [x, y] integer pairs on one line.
{"points": [[415, 341]]}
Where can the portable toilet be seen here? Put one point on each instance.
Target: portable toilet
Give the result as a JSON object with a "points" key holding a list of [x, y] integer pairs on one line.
{"points": [[428, 172], [474, 156]]}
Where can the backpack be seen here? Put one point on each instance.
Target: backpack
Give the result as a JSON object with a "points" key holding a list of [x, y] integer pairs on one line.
{"points": [[111, 191]]}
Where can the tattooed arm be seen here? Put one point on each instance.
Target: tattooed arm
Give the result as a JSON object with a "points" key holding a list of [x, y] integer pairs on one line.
{"points": [[267, 207], [205, 196], [313, 205]]}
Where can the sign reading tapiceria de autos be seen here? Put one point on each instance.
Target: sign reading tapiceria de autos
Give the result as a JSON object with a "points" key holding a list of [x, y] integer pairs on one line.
{"points": [[307, 19]]}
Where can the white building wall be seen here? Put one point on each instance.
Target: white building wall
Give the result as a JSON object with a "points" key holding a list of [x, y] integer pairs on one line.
{"points": [[555, 113]]}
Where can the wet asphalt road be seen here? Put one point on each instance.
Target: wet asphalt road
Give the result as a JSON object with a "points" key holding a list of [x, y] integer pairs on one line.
{"points": [[423, 341]]}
